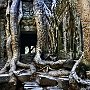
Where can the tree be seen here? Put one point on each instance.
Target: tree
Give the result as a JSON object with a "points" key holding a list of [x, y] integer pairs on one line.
{"points": [[48, 39], [44, 36], [13, 17]]}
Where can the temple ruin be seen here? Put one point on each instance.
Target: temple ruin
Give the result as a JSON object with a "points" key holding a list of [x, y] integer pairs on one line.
{"points": [[42, 45]]}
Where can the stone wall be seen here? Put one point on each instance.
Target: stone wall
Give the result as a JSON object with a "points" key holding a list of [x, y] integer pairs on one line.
{"points": [[2, 36], [83, 8], [70, 43]]}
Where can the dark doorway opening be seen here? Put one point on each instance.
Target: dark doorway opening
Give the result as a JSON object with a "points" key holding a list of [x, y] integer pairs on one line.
{"points": [[28, 39]]}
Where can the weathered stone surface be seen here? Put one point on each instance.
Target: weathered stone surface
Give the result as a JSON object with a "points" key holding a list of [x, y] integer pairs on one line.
{"points": [[35, 86], [6, 86], [83, 8], [23, 75], [44, 80], [2, 40], [27, 58], [69, 64], [51, 83], [63, 83], [4, 78], [32, 85]]}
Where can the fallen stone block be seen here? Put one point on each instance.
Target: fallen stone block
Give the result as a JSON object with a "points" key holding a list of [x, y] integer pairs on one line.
{"points": [[46, 81]]}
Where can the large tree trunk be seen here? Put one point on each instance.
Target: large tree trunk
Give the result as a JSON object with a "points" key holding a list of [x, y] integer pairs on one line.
{"points": [[12, 38], [42, 33], [45, 31], [14, 33], [13, 16], [8, 39]]}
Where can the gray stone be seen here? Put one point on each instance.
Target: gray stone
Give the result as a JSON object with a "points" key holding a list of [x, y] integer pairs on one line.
{"points": [[32, 86], [63, 83], [4, 78], [46, 81]]}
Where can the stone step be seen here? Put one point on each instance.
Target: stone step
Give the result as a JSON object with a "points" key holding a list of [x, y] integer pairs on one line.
{"points": [[4, 78], [47, 80], [23, 76], [35, 86], [31, 85]]}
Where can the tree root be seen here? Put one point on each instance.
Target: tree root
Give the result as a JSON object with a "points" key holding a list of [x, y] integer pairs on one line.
{"points": [[20, 64], [59, 73], [4, 69], [12, 64], [73, 75], [39, 62], [37, 57]]}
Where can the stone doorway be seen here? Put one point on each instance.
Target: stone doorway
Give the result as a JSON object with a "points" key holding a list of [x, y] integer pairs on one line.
{"points": [[28, 41]]}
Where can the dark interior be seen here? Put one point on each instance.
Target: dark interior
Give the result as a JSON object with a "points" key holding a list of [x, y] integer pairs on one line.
{"points": [[29, 39]]}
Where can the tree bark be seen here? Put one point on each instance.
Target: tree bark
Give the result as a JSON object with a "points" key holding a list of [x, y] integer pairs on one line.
{"points": [[8, 39], [45, 32], [14, 37], [42, 33]]}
